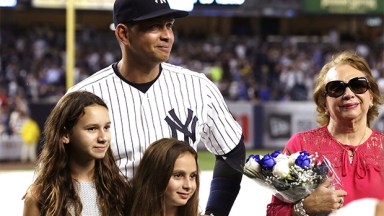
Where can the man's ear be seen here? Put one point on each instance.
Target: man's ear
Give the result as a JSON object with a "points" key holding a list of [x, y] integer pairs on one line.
{"points": [[121, 33]]}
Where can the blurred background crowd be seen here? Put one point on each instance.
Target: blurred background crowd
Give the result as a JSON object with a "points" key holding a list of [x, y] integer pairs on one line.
{"points": [[243, 67]]}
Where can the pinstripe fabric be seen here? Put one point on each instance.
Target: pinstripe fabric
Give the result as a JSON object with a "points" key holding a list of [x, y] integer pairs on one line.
{"points": [[179, 102]]}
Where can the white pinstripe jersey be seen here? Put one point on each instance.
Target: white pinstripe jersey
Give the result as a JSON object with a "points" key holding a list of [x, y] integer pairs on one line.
{"points": [[180, 103]]}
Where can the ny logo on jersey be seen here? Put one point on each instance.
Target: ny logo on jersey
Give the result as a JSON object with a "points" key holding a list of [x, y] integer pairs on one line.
{"points": [[177, 125], [161, 1]]}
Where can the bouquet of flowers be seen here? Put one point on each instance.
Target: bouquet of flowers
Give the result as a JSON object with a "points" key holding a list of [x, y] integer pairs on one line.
{"points": [[290, 177]]}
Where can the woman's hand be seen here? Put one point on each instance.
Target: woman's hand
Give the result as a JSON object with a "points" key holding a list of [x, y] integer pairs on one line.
{"points": [[324, 199]]}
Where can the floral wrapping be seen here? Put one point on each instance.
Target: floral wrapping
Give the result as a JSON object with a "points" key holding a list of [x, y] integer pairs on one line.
{"points": [[290, 177]]}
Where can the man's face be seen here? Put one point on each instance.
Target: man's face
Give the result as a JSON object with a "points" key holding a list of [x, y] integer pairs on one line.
{"points": [[151, 39]]}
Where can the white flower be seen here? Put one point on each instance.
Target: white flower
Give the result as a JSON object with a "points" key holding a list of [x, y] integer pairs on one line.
{"points": [[252, 165], [293, 157], [281, 157], [281, 169]]}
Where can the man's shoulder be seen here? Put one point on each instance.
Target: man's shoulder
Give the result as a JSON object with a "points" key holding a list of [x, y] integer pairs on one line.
{"points": [[95, 78], [170, 68]]}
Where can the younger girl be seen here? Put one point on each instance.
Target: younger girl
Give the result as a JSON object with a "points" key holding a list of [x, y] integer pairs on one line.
{"points": [[76, 172], [167, 180]]}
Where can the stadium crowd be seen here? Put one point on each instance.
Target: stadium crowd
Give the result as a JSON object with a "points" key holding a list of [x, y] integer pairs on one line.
{"points": [[247, 68]]}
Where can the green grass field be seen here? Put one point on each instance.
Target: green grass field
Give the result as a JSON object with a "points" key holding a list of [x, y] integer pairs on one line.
{"points": [[207, 160]]}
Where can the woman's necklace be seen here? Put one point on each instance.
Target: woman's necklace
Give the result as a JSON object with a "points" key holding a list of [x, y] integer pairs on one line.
{"points": [[351, 153]]}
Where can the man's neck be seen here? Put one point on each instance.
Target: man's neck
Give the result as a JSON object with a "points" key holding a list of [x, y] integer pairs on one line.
{"points": [[138, 73]]}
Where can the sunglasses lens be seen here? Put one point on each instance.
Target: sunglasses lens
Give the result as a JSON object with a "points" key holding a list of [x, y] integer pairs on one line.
{"points": [[359, 85], [335, 88]]}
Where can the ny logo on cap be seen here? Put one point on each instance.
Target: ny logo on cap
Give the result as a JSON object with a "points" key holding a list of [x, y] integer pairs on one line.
{"points": [[161, 1]]}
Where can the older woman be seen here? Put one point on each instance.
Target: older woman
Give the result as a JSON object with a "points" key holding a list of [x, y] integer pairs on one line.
{"points": [[347, 98]]}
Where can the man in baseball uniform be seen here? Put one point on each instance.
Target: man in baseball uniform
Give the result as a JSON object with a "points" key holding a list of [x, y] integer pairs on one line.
{"points": [[149, 99]]}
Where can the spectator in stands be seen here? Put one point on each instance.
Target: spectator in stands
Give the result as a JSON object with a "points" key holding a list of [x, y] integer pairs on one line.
{"points": [[3, 111], [167, 180], [30, 133], [19, 114], [3, 98], [348, 99], [76, 173]]}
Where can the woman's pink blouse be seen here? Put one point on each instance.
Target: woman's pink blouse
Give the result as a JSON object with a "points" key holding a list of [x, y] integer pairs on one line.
{"points": [[364, 178]]}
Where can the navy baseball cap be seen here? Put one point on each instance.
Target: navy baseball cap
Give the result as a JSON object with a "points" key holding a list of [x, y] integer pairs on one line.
{"points": [[125, 11]]}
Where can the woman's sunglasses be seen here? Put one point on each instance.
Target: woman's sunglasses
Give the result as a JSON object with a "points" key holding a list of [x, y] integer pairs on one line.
{"points": [[358, 85]]}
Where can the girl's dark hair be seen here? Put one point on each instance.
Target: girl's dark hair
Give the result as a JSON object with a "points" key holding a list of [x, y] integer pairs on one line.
{"points": [[55, 186], [152, 177]]}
